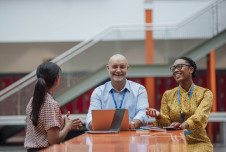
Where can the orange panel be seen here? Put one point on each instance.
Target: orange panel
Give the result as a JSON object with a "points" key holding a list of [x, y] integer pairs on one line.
{"points": [[150, 87], [211, 84], [213, 79], [149, 47]]}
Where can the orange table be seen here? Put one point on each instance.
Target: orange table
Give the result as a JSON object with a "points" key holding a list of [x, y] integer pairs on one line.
{"points": [[131, 141]]}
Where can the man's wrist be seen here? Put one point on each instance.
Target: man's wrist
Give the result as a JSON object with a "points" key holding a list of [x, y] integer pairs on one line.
{"points": [[90, 125], [132, 125]]}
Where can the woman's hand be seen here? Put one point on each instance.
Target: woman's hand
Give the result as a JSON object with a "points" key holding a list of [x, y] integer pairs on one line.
{"points": [[55, 135], [77, 123], [72, 123], [68, 123], [153, 113], [183, 125], [175, 125]]}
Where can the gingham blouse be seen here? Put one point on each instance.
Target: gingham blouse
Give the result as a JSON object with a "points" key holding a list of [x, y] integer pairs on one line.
{"points": [[50, 116]]}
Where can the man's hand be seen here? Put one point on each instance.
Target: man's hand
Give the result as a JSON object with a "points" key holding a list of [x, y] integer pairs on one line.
{"points": [[135, 123], [90, 125]]}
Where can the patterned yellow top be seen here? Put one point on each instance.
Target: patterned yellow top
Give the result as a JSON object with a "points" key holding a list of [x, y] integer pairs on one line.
{"points": [[196, 111]]}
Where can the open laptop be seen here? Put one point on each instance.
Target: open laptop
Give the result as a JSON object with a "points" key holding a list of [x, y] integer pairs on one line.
{"points": [[110, 121]]}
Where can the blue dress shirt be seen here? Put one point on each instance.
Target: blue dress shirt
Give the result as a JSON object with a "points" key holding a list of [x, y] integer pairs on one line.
{"points": [[135, 100]]}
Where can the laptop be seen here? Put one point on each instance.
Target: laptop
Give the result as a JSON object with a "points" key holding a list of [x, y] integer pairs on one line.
{"points": [[110, 121]]}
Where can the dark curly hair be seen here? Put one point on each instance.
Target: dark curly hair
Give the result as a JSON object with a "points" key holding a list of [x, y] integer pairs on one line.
{"points": [[191, 63]]}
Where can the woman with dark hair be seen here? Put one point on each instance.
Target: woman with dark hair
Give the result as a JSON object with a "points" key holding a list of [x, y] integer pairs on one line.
{"points": [[187, 107], [45, 125]]}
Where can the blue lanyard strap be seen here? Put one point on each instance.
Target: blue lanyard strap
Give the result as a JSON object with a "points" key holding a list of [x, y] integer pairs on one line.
{"points": [[50, 94], [187, 132], [124, 93], [182, 116]]}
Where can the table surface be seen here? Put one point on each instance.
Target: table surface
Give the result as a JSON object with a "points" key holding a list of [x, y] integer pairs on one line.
{"points": [[132, 141]]}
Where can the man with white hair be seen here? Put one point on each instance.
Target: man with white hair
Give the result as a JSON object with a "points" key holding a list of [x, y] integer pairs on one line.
{"points": [[120, 93]]}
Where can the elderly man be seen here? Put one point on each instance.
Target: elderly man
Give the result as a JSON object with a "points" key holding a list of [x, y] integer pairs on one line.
{"points": [[120, 93]]}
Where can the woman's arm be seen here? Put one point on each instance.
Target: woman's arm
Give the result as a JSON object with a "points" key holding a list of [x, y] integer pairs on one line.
{"points": [[55, 136], [163, 119], [201, 115]]}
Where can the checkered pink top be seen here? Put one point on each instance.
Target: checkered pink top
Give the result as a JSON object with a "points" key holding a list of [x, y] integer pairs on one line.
{"points": [[50, 116]]}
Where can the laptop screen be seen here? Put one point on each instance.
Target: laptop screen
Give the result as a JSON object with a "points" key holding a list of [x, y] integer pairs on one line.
{"points": [[102, 119], [117, 119]]}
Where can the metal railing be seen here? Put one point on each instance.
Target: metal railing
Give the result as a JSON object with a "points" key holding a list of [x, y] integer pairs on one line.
{"points": [[115, 39]]}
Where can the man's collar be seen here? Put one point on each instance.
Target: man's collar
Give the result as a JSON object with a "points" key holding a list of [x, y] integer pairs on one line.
{"points": [[127, 87]]}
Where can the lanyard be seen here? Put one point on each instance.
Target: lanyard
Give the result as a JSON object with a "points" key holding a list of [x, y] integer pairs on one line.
{"points": [[121, 100], [182, 116], [50, 94]]}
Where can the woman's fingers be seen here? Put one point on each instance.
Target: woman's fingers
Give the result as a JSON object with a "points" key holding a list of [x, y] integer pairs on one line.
{"points": [[149, 111], [68, 113], [77, 120], [77, 123], [76, 126], [184, 125], [74, 123], [152, 112], [172, 124], [175, 124]]}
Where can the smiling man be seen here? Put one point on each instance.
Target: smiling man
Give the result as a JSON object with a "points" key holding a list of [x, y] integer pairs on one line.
{"points": [[120, 93]]}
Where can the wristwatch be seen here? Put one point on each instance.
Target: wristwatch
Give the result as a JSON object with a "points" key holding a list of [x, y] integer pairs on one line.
{"points": [[133, 123]]}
